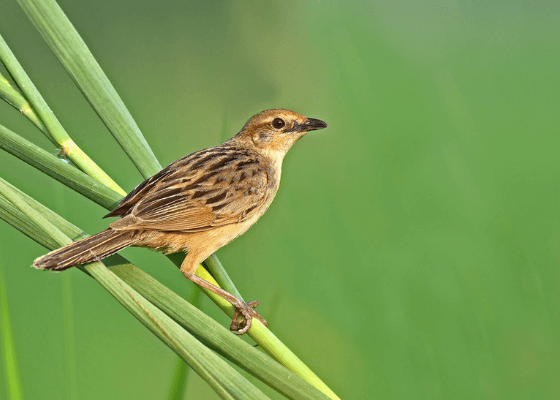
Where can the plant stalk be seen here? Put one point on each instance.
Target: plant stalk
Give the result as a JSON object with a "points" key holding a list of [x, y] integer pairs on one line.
{"points": [[73, 53], [207, 364], [54, 130], [204, 328]]}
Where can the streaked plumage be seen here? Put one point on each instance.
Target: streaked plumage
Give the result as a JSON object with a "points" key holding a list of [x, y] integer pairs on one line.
{"points": [[200, 202]]}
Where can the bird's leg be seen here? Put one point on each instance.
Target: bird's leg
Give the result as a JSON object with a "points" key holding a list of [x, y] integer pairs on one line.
{"points": [[246, 310]]}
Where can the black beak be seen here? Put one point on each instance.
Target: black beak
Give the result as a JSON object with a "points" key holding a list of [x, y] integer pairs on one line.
{"points": [[313, 124]]}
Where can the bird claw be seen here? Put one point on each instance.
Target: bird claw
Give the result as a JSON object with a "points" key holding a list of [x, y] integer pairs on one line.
{"points": [[247, 312]]}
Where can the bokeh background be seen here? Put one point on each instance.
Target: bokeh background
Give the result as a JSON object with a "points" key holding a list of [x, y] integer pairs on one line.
{"points": [[413, 249]]}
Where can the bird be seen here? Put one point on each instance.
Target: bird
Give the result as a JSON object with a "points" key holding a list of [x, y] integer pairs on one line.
{"points": [[199, 203]]}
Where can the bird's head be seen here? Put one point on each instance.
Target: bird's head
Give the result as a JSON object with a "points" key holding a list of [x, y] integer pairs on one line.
{"points": [[273, 132]]}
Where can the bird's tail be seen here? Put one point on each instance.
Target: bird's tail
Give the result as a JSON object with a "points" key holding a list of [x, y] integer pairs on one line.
{"points": [[87, 250]]}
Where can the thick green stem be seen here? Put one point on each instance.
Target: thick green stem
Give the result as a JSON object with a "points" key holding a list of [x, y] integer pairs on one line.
{"points": [[54, 130], [227, 382], [215, 267], [266, 339], [58, 169], [16, 99], [205, 329], [73, 53]]}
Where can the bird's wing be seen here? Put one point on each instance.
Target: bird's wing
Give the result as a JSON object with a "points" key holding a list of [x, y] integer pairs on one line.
{"points": [[183, 165], [213, 190]]}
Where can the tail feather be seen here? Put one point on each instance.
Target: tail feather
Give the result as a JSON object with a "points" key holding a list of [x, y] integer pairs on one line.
{"points": [[87, 250]]}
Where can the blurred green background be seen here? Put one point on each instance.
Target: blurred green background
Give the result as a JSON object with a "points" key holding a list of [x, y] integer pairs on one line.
{"points": [[413, 249]]}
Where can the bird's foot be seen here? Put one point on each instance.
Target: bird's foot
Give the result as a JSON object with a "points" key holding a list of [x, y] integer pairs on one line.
{"points": [[244, 313]]}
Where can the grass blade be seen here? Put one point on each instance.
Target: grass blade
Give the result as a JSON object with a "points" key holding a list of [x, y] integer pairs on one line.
{"points": [[239, 352], [204, 328], [54, 130], [20, 103], [14, 217], [227, 382], [265, 338], [73, 53], [58, 169], [215, 267]]}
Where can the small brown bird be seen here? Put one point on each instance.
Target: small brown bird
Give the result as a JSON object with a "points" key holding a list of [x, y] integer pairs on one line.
{"points": [[199, 203]]}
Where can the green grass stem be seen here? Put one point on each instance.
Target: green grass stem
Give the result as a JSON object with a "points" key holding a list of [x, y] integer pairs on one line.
{"points": [[227, 382], [54, 130], [269, 342], [215, 267], [58, 169], [73, 53], [16, 99], [204, 328]]}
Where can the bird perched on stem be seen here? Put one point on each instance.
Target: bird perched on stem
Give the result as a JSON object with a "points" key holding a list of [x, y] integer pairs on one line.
{"points": [[199, 203]]}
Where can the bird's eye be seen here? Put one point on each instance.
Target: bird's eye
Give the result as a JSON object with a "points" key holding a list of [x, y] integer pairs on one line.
{"points": [[278, 123]]}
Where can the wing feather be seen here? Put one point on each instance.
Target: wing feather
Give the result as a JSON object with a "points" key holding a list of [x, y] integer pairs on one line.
{"points": [[202, 192]]}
